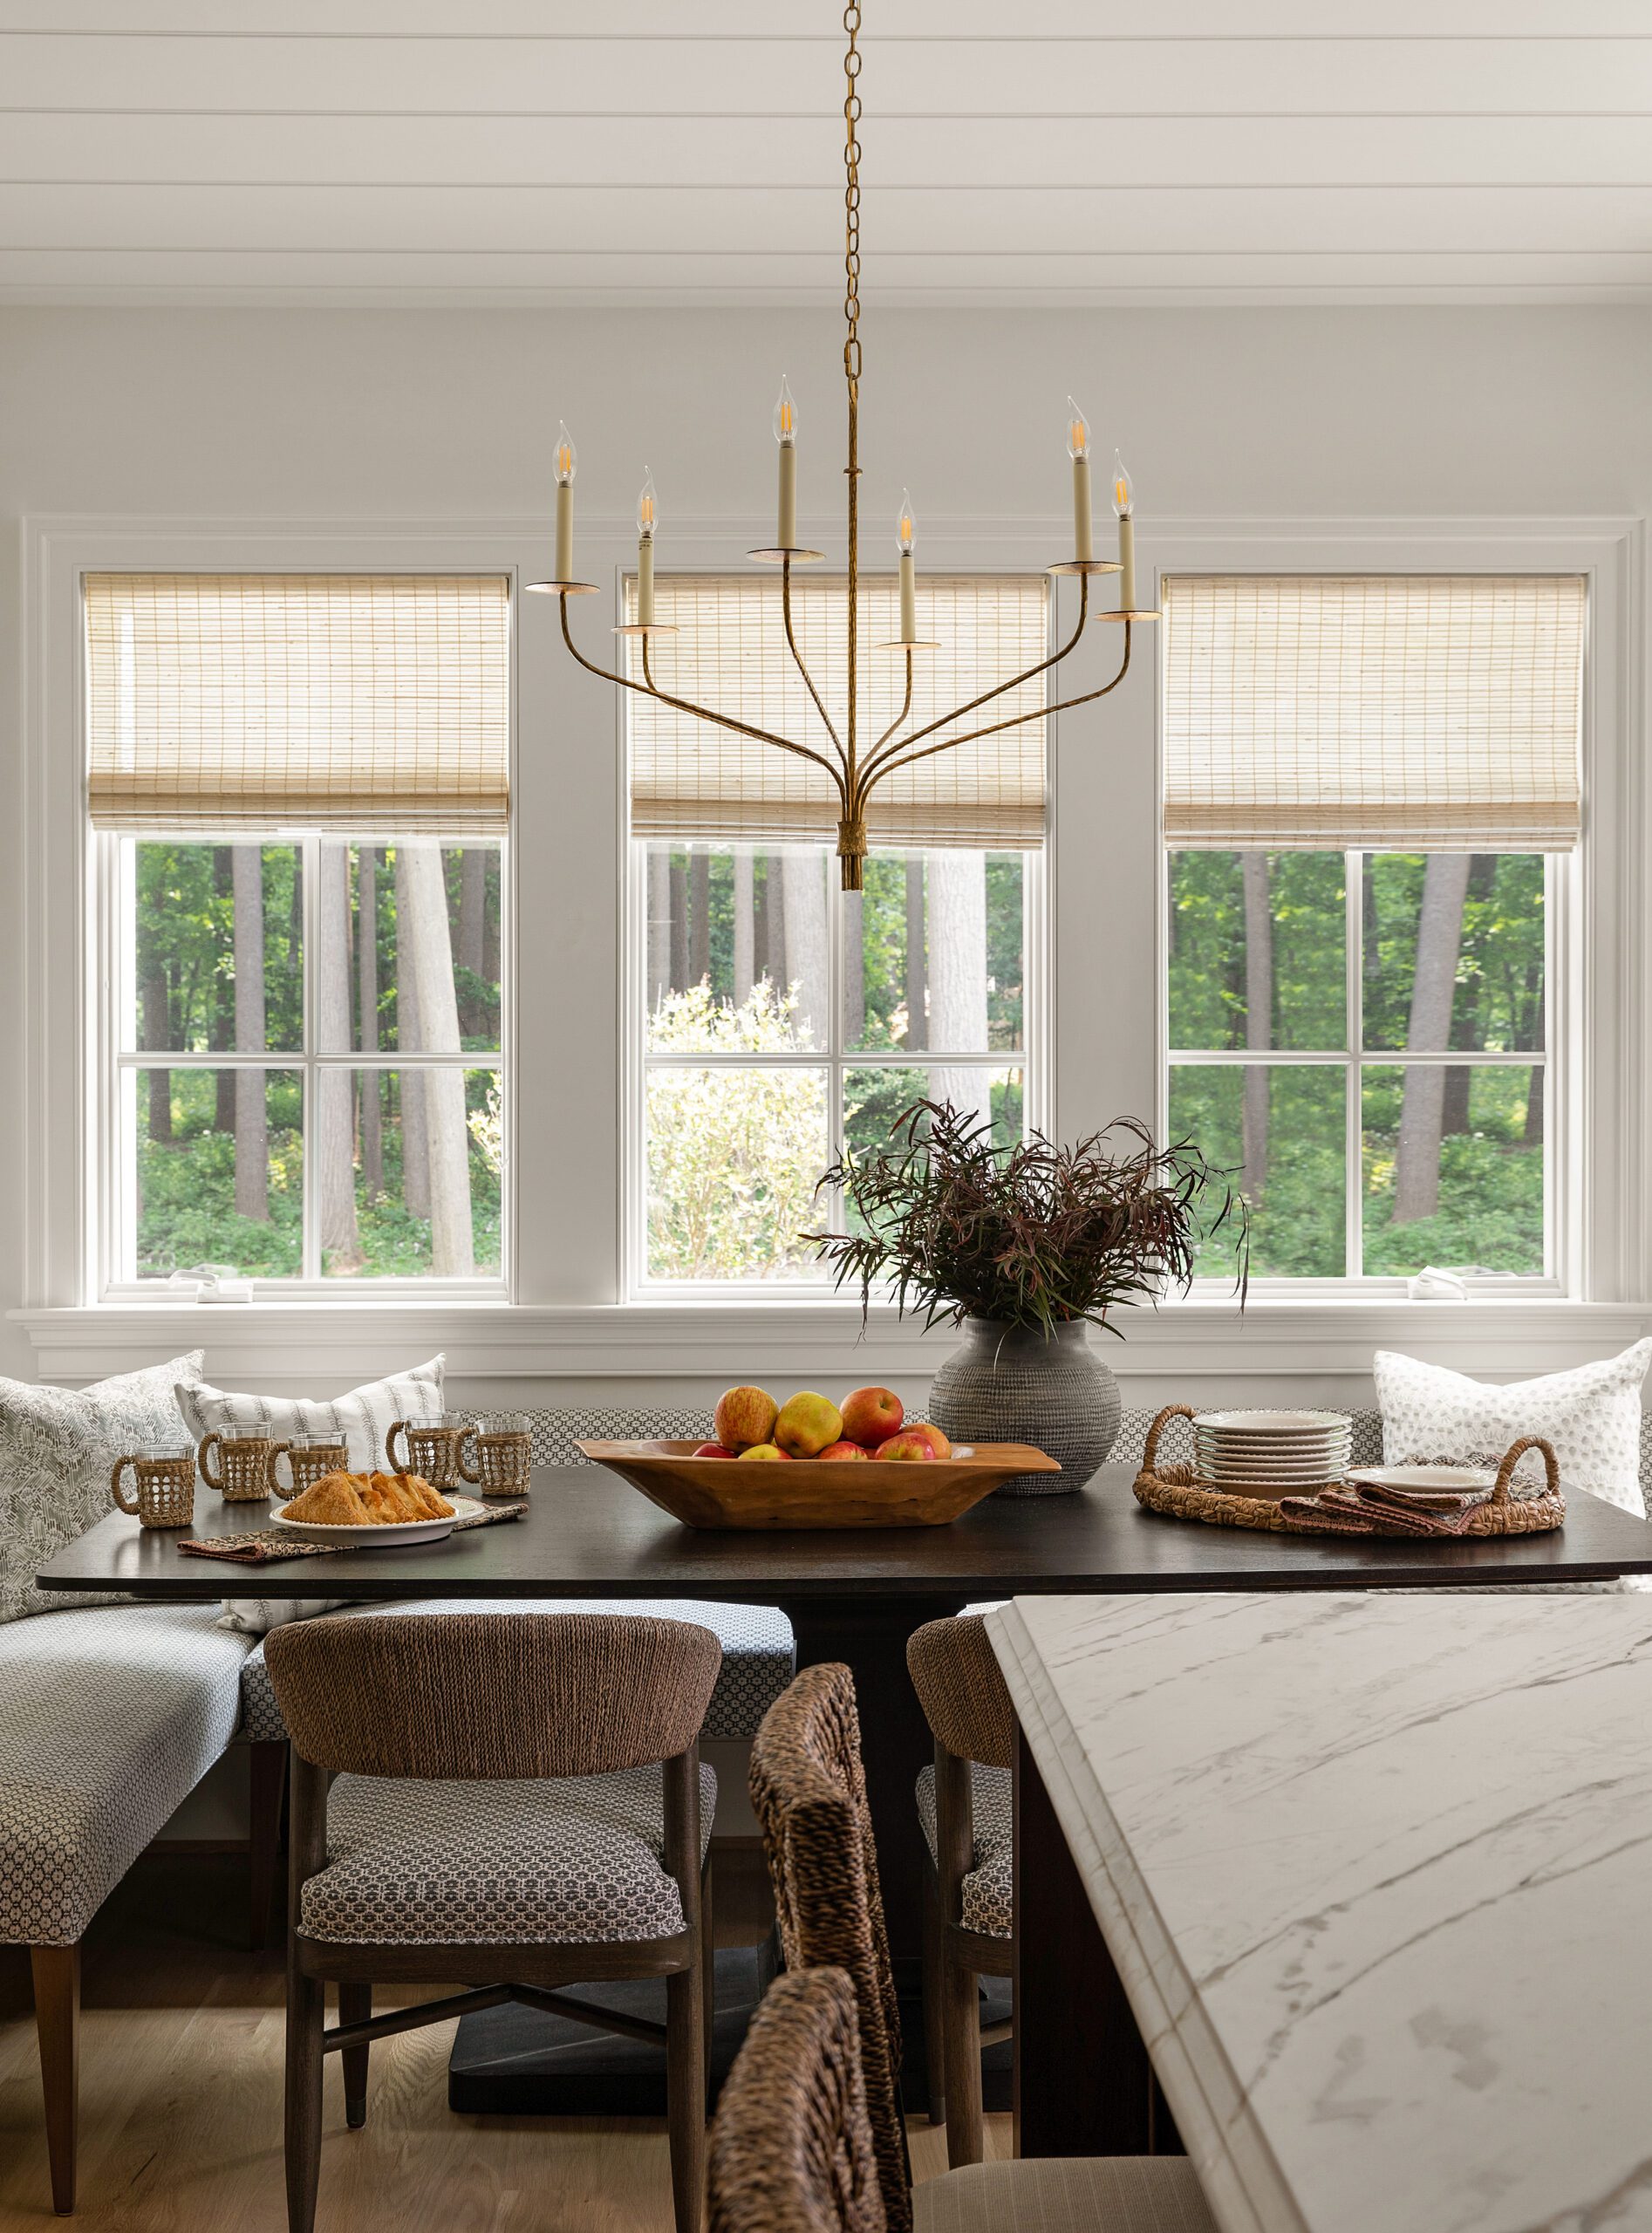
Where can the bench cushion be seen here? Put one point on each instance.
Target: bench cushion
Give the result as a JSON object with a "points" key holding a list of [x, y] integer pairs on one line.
{"points": [[577, 1861], [989, 1890], [759, 1657], [108, 1719]]}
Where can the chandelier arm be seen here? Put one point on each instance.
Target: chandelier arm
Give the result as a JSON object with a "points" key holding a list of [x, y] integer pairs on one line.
{"points": [[685, 705], [1016, 681], [797, 659], [1014, 721], [906, 707]]}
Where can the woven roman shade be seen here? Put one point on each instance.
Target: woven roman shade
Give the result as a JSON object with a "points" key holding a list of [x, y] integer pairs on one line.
{"points": [[689, 780], [1415, 712], [336, 701]]}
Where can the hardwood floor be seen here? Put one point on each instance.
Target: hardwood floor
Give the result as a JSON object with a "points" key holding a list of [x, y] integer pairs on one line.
{"points": [[181, 2082]]}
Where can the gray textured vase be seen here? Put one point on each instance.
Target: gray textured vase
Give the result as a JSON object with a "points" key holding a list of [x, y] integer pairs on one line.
{"points": [[1014, 1383]]}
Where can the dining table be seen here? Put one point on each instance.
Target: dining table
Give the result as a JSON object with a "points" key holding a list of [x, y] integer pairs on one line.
{"points": [[1369, 1870], [854, 1594]]}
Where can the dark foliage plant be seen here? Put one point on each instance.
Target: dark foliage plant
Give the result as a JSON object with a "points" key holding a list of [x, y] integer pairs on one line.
{"points": [[1030, 1235]]}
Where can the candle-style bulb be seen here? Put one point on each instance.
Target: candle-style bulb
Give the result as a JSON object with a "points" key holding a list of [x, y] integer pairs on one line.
{"points": [[905, 524], [567, 457], [1124, 493], [1078, 431], [785, 415], [647, 505]]}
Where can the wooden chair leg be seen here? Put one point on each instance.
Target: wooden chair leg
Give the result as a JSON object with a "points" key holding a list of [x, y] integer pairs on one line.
{"points": [[935, 1993], [355, 2006], [306, 2016], [267, 1785], [961, 2020], [56, 2016], [686, 2093], [708, 1961]]}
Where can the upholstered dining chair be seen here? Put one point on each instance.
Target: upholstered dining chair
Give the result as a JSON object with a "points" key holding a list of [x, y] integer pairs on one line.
{"points": [[808, 1790], [965, 1804], [519, 1800]]}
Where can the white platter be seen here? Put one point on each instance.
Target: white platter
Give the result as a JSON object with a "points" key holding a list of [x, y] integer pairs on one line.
{"points": [[1272, 1423], [1464, 1480], [381, 1538]]}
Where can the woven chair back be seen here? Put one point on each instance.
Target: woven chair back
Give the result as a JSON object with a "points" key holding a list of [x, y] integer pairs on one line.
{"points": [[791, 2149], [962, 1690], [808, 1792], [492, 1697]]}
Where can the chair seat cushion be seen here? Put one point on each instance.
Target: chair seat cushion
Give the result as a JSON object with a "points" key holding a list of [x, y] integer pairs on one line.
{"points": [[108, 1719], [575, 1860], [758, 1654], [989, 1890], [1069, 2194]]}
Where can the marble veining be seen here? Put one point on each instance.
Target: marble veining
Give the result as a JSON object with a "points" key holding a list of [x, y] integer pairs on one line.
{"points": [[1377, 1873]]}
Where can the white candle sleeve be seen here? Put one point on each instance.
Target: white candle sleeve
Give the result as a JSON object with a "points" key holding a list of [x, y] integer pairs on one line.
{"points": [[564, 532], [1082, 546], [908, 598], [646, 581], [788, 536], [1127, 565]]}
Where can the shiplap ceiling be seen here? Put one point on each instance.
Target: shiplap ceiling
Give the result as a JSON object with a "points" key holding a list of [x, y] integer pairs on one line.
{"points": [[628, 151]]}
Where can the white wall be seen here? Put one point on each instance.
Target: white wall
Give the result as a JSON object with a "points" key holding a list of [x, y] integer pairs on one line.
{"points": [[1337, 415]]}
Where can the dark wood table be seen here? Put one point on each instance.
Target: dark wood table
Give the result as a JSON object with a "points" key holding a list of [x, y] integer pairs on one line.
{"points": [[855, 1595]]}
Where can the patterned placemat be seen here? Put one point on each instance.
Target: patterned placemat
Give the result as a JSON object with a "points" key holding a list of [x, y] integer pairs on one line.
{"points": [[267, 1545]]}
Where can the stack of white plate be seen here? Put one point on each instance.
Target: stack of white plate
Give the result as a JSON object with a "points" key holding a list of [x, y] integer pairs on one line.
{"points": [[1271, 1453]]}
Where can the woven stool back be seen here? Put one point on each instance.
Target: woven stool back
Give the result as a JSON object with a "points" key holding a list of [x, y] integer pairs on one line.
{"points": [[962, 1690], [791, 2149], [492, 1697], [808, 1792]]}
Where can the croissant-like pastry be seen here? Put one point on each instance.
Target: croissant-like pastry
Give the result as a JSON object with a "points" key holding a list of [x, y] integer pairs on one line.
{"points": [[333, 1501], [368, 1500]]}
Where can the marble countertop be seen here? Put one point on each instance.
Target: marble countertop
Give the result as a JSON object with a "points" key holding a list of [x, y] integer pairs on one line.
{"points": [[1376, 1872]]}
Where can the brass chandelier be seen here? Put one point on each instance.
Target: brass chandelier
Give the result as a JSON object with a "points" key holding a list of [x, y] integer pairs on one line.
{"points": [[856, 772]]}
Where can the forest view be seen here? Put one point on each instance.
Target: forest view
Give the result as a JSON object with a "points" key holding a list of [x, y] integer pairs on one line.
{"points": [[404, 1156]]}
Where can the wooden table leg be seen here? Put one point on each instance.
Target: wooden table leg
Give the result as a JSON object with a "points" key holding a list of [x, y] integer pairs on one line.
{"points": [[1083, 2084]]}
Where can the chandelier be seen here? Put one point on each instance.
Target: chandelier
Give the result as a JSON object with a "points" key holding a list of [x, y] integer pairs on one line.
{"points": [[855, 767]]}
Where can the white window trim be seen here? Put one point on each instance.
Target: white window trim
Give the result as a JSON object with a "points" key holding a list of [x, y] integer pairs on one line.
{"points": [[566, 1320]]}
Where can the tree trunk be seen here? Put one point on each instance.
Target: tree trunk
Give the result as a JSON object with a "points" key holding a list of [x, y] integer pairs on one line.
{"points": [[699, 917], [223, 1005], [956, 884], [917, 985], [853, 966], [659, 928], [157, 1030], [424, 930], [1259, 1019], [1465, 1011], [1533, 1135], [745, 929], [678, 882], [762, 933], [252, 1129], [807, 962], [1440, 933], [372, 1084], [334, 1147], [415, 1131]]}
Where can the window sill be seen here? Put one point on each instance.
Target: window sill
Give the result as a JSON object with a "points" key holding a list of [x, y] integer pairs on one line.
{"points": [[334, 1343]]}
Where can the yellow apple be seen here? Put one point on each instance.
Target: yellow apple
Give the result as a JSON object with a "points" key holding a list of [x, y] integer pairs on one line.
{"points": [[806, 1423]]}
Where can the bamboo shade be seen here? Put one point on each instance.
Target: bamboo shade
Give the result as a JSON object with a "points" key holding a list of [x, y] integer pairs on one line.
{"points": [[689, 780], [1418, 713], [342, 701]]}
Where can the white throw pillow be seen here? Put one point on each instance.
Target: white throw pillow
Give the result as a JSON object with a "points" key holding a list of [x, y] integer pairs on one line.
{"points": [[1592, 1415], [363, 1418], [58, 1449]]}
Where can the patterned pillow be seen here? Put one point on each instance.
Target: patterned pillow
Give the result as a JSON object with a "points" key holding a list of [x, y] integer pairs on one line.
{"points": [[58, 1449], [363, 1418], [1591, 1415]]}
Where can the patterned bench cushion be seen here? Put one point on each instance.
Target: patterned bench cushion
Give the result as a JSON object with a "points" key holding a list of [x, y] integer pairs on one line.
{"points": [[479, 1864], [759, 1657], [989, 1890], [108, 1719]]}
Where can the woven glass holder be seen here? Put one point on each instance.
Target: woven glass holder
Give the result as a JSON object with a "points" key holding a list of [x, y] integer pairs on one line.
{"points": [[246, 1465], [164, 1491], [501, 1461]]}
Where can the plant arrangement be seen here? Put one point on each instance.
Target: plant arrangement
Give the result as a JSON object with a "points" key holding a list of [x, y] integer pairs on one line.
{"points": [[1032, 1236]]}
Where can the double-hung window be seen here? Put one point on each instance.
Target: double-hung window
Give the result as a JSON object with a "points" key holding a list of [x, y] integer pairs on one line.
{"points": [[778, 1019], [298, 791], [1371, 785]]}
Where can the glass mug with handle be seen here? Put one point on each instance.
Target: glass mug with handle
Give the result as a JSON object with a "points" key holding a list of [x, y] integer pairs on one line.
{"points": [[432, 1448], [247, 1454], [501, 1453], [163, 1495], [311, 1457]]}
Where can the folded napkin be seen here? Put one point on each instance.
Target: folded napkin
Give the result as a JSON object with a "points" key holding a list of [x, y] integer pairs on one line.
{"points": [[1369, 1509], [268, 1545]]}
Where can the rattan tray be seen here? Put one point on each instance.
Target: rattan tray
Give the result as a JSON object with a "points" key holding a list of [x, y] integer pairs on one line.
{"points": [[1176, 1491]]}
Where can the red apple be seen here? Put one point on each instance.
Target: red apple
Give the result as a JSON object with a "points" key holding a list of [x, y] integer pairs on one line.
{"points": [[872, 1415], [843, 1449], [911, 1448], [743, 1417], [932, 1435], [713, 1450], [766, 1451]]}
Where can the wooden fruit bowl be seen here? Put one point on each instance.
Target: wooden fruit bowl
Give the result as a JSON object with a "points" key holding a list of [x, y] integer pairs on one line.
{"points": [[814, 1492]]}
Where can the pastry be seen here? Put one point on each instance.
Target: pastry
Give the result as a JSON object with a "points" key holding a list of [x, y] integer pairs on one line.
{"points": [[368, 1500]]}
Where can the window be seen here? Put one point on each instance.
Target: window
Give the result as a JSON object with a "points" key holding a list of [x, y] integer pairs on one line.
{"points": [[298, 789], [1361, 1032], [780, 1019]]}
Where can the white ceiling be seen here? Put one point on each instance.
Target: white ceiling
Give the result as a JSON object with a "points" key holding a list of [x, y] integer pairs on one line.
{"points": [[639, 152]]}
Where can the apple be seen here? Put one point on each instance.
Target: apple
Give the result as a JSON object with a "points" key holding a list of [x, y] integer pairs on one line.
{"points": [[765, 1451], [843, 1449], [932, 1435], [872, 1415], [713, 1450], [806, 1423], [909, 1447], [743, 1417]]}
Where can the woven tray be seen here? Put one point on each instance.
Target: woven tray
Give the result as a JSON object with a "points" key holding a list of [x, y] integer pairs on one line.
{"points": [[1176, 1491]]}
